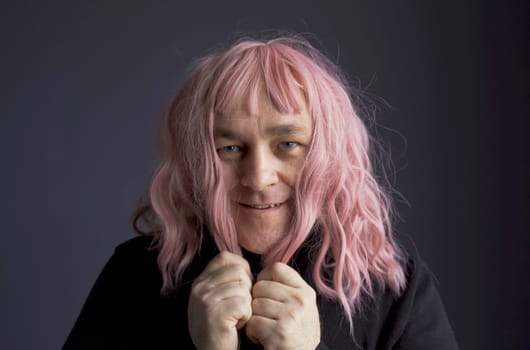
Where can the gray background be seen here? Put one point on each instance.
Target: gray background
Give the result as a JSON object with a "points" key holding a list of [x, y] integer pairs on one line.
{"points": [[83, 84]]}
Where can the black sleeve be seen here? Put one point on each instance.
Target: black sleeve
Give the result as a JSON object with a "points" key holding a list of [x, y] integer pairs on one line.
{"points": [[427, 325], [413, 320], [322, 346], [102, 309], [118, 304]]}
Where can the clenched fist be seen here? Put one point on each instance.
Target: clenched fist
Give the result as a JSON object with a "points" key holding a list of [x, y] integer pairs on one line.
{"points": [[279, 310], [284, 311], [220, 303]]}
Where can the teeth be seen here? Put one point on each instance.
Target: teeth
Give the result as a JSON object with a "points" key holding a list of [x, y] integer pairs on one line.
{"points": [[264, 206]]}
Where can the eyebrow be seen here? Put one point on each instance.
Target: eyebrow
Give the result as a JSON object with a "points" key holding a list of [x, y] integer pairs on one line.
{"points": [[275, 131]]}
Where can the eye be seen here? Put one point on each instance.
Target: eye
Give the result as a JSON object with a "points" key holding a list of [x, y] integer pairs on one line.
{"points": [[229, 149], [288, 145]]}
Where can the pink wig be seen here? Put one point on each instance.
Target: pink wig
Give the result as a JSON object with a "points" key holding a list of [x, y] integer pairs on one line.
{"points": [[337, 197]]}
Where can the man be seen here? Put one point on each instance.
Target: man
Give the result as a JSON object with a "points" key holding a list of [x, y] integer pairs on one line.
{"points": [[268, 228]]}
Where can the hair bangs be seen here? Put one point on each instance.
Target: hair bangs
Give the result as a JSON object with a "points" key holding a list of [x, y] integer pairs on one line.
{"points": [[260, 70]]}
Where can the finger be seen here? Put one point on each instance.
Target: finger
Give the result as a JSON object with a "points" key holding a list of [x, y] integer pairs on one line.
{"points": [[272, 290], [237, 307], [225, 259], [282, 273], [218, 314], [267, 308], [221, 262], [259, 329], [231, 303], [226, 273], [226, 291]]}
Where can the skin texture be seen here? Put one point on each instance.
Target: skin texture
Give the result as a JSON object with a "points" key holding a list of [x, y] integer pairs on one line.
{"points": [[262, 156], [279, 310], [284, 311], [220, 303]]}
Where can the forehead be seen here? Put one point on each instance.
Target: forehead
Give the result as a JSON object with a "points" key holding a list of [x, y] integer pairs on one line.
{"points": [[262, 120]]}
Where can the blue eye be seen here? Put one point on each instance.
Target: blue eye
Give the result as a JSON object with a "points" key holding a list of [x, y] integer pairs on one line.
{"points": [[288, 145], [229, 149]]}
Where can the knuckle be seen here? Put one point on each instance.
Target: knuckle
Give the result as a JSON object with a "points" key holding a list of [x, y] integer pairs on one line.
{"points": [[312, 295], [251, 328], [299, 299], [196, 291], [277, 267], [254, 327], [284, 327], [240, 269], [257, 287], [256, 304], [239, 306], [247, 299], [199, 287], [291, 315], [224, 257], [305, 298], [202, 298]]}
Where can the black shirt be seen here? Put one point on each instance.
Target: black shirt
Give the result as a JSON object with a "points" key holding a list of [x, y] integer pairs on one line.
{"points": [[125, 309]]}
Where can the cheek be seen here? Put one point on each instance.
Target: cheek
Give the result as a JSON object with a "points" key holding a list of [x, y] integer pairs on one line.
{"points": [[292, 173], [230, 176]]}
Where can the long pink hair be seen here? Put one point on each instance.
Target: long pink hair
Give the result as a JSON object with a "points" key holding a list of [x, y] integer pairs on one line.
{"points": [[337, 197]]}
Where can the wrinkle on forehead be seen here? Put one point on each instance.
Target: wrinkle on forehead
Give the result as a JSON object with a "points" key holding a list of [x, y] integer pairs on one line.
{"points": [[265, 117]]}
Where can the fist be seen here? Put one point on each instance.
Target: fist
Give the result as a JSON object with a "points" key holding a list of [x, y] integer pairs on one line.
{"points": [[284, 310], [220, 303]]}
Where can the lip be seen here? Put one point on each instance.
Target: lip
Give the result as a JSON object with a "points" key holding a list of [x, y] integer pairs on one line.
{"points": [[261, 206]]}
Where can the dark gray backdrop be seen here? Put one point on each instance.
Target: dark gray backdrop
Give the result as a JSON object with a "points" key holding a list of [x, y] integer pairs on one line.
{"points": [[84, 82]]}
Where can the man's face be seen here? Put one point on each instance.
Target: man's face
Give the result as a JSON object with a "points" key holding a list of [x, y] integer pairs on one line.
{"points": [[262, 157]]}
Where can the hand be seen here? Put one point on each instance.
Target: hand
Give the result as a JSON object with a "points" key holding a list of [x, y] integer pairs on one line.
{"points": [[220, 303], [285, 314]]}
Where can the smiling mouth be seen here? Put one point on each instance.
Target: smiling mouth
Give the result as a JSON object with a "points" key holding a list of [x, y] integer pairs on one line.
{"points": [[261, 206]]}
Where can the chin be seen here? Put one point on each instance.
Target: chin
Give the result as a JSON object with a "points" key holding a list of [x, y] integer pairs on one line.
{"points": [[255, 250], [259, 231], [259, 243]]}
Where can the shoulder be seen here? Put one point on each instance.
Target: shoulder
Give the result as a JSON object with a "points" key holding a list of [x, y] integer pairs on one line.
{"points": [[132, 263], [138, 257], [419, 292], [421, 282], [139, 249], [417, 317], [417, 273], [412, 319], [136, 245]]}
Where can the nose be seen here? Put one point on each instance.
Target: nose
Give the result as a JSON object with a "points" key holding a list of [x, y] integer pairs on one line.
{"points": [[258, 171]]}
